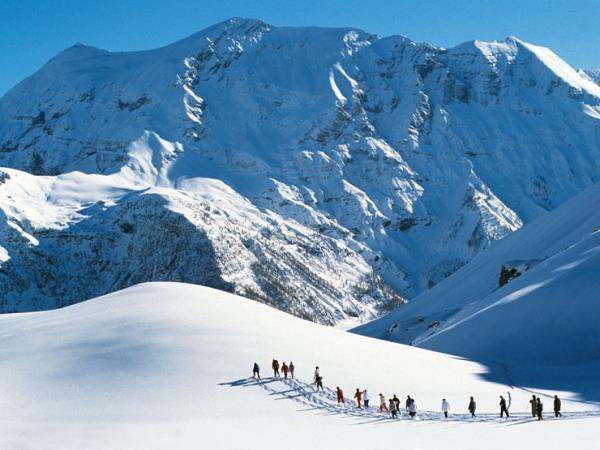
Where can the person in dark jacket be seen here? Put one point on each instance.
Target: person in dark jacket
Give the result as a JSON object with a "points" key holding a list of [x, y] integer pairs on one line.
{"points": [[472, 406], [397, 402], [393, 409], [319, 382], [533, 403], [503, 409], [256, 371], [409, 401], [540, 409], [275, 366], [292, 368], [557, 405]]}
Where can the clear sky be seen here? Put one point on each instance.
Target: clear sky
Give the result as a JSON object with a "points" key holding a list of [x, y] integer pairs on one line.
{"points": [[32, 31]]}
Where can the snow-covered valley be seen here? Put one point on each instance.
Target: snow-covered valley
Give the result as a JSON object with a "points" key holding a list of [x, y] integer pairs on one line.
{"points": [[330, 173], [167, 365]]}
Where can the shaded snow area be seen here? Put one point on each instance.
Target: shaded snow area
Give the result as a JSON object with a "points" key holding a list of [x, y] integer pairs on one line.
{"points": [[167, 365], [593, 74], [540, 326], [268, 161]]}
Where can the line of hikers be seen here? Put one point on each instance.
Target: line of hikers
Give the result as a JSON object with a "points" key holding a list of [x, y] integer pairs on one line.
{"points": [[286, 369], [392, 405], [537, 407]]}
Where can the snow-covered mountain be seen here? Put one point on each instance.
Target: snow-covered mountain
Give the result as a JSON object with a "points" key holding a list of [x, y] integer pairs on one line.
{"points": [[540, 314], [327, 172], [168, 365]]}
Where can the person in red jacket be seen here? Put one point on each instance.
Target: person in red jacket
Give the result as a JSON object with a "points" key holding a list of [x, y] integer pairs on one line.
{"points": [[382, 405], [340, 395], [358, 397], [285, 369]]}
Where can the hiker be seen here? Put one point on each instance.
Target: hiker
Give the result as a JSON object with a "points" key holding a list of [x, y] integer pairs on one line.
{"points": [[256, 371], [275, 366], [412, 409], [317, 373], [445, 407], [358, 397], [393, 409], [557, 405], [472, 406], [540, 409], [292, 367], [365, 398], [503, 408], [285, 369], [409, 401], [340, 395], [397, 402], [382, 405], [319, 382], [533, 403]]}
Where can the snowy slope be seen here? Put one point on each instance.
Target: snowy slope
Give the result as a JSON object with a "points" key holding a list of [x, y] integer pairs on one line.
{"points": [[391, 162], [165, 365], [593, 74], [546, 317]]}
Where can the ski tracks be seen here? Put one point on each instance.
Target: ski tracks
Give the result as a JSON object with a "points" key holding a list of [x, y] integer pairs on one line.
{"points": [[325, 402]]}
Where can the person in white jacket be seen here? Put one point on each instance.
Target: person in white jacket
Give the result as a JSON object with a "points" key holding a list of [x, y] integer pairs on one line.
{"points": [[445, 407], [366, 398], [412, 409]]}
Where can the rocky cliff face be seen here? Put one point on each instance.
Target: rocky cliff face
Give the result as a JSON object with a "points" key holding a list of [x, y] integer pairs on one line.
{"points": [[327, 171]]}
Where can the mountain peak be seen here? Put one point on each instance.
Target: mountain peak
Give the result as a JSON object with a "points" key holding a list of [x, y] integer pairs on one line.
{"points": [[239, 23], [562, 69], [79, 48], [318, 139], [546, 60]]}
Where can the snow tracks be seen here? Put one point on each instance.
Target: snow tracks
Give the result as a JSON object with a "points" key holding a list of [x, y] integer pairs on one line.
{"points": [[325, 403]]}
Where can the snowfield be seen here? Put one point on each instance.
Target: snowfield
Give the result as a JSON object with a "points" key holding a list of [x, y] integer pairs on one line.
{"points": [[166, 365]]}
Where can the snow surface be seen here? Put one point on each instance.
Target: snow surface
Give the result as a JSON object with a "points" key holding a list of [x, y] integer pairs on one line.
{"points": [[390, 161], [544, 321], [593, 74], [166, 365]]}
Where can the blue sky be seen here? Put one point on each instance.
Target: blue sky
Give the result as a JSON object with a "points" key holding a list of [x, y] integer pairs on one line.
{"points": [[32, 31]]}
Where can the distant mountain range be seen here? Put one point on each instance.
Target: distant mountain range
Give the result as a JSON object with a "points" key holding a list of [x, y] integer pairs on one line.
{"points": [[331, 173]]}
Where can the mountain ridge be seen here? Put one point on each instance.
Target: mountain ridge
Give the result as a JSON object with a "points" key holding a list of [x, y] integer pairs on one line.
{"points": [[411, 158]]}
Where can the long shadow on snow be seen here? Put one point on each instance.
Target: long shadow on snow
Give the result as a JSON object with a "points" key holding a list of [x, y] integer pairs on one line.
{"points": [[582, 381]]}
